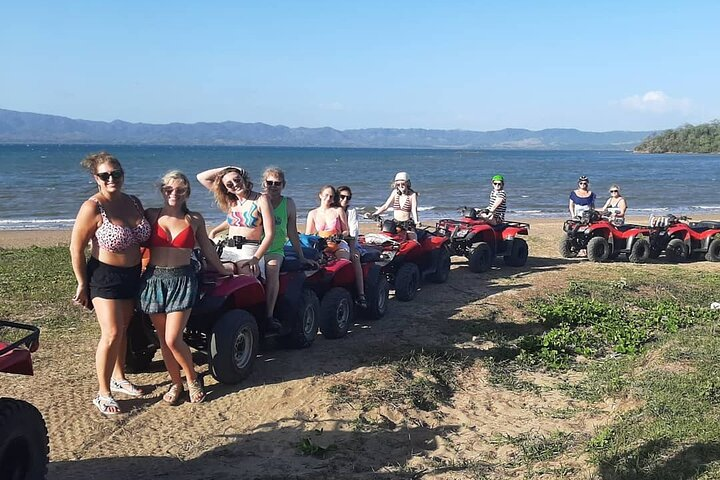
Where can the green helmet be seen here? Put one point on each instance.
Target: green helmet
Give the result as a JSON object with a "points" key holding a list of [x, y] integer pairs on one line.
{"points": [[498, 178]]}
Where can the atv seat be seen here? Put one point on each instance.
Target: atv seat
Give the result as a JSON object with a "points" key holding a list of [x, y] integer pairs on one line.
{"points": [[705, 225], [627, 226], [370, 256]]}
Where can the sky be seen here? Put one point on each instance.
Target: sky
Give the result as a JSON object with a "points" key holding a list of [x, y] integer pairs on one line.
{"points": [[472, 65]]}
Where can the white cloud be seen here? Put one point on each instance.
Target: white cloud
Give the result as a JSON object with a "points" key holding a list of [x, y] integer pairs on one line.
{"points": [[655, 101]]}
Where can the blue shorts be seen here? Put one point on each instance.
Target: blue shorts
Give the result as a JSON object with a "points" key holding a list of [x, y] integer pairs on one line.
{"points": [[168, 289]]}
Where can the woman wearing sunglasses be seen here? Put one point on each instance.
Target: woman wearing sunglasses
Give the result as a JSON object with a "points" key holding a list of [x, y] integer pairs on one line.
{"points": [[581, 199], [249, 215], [494, 214], [169, 284], [344, 196], [403, 199], [616, 206], [109, 280]]}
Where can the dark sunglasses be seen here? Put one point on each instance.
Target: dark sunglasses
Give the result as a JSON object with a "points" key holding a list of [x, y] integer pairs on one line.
{"points": [[614, 191], [271, 183], [497, 183], [115, 174], [345, 197], [582, 183], [178, 190]]}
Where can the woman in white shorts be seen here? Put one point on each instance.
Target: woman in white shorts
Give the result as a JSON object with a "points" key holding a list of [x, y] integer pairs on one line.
{"points": [[249, 215]]}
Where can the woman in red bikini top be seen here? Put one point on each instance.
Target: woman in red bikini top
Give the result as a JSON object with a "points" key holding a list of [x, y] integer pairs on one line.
{"points": [[169, 284]]}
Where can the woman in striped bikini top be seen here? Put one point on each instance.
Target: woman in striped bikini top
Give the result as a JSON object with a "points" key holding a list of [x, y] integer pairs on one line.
{"points": [[403, 199]]}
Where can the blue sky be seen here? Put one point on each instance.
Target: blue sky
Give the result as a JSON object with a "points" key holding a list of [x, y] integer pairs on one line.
{"points": [[477, 65]]}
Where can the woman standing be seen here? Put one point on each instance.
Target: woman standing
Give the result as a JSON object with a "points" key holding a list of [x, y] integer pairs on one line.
{"points": [[169, 284], [109, 280], [581, 199]]}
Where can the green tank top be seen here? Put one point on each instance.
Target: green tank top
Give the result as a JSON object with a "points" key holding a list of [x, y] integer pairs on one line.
{"points": [[281, 219]]}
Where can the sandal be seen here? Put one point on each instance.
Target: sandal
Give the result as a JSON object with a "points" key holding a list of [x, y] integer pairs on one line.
{"points": [[361, 301], [106, 404], [124, 386], [196, 391], [173, 395]]}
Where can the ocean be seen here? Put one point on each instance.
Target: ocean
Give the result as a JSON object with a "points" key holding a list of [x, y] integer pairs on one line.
{"points": [[42, 186]]}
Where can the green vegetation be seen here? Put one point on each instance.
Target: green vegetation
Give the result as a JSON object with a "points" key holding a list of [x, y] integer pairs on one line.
{"points": [[703, 138]]}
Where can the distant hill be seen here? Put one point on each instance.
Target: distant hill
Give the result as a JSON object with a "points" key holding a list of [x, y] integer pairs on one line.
{"points": [[20, 127], [704, 138]]}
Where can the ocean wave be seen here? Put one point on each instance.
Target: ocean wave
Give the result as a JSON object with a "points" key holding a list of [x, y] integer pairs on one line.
{"points": [[706, 207], [36, 223]]}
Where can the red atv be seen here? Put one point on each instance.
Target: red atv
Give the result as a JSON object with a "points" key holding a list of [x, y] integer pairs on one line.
{"points": [[473, 238], [604, 240], [681, 239], [228, 319], [23, 434], [406, 261], [334, 284]]}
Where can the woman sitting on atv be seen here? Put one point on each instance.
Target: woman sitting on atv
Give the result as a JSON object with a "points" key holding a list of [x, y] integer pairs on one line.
{"points": [[403, 199], [616, 206], [330, 220], [581, 199], [494, 214]]}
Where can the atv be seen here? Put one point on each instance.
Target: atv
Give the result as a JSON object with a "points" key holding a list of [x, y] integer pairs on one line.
{"points": [[228, 320], [334, 284], [406, 260], [478, 241], [23, 434], [603, 240], [682, 239]]}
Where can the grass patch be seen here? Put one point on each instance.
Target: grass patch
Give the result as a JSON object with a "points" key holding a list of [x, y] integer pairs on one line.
{"points": [[537, 447]]}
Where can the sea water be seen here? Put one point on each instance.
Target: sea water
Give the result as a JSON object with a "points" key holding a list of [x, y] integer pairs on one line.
{"points": [[42, 186]]}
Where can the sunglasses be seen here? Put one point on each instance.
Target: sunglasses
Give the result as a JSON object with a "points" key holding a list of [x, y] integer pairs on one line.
{"points": [[497, 183], [400, 184], [614, 191], [115, 174], [582, 183], [177, 190], [232, 184], [271, 183], [345, 197]]}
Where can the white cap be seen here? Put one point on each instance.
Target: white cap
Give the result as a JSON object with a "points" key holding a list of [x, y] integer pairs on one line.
{"points": [[402, 176]]}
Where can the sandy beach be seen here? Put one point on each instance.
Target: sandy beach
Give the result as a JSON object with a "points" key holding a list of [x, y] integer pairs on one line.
{"points": [[254, 429]]}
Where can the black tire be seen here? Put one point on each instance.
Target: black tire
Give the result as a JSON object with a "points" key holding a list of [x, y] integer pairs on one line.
{"points": [[377, 293], [305, 322], [713, 253], [518, 253], [676, 251], [480, 258], [407, 282], [640, 251], [23, 441], [598, 249], [141, 344], [336, 313], [566, 248], [233, 346], [442, 266]]}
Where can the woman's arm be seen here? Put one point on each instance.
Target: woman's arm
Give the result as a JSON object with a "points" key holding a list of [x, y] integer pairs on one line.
{"points": [[207, 178], [592, 200], [219, 228], [386, 205], [343, 221], [571, 207], [206, 246], [353, 224], [414, 208], [268, 224], [310, 223], [86, 223], [607, 204]]}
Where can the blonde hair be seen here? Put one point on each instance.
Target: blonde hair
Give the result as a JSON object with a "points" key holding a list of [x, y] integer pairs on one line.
{"points": [[276, 171], [615, 186], [94, 160], [224, 198], [180, 176]]}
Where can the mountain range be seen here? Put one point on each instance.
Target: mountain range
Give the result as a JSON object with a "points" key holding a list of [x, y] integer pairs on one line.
{"points": [[21, 127]]}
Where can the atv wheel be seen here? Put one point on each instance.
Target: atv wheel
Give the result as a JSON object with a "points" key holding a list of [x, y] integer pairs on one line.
{"points": [[442, 267], [336, 313], [676, 251], [233, 346], [23, 441], [407, 281], [566, 248], [598, 249], [518, 253], [640, 251], [713, 253], [304, 327], [377, 292], [480, 258]]}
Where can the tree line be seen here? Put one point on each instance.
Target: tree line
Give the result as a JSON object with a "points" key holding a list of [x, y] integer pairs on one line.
{"points": [[704, 138]]}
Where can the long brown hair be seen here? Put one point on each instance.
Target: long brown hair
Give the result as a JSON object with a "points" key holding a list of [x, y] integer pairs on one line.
{"points": [[225, 199]]}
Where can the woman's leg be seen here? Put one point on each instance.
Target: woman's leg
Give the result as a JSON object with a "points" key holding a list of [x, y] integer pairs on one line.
{"points": [[159, 321], [174, 327], [128, 308], [110, 314], [273, 262]]}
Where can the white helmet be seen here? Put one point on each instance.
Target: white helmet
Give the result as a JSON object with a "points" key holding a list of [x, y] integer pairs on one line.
{"points": [[402, 176]]}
